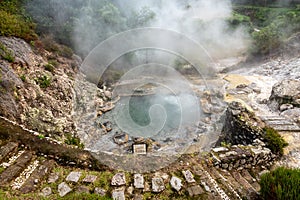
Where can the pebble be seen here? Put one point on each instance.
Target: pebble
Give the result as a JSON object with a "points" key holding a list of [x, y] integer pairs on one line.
{"points": [[118, 194], [176, 183], [118, 179], [63, 189], [73, 177], [157, 184], [189, 177], [138, 181]]}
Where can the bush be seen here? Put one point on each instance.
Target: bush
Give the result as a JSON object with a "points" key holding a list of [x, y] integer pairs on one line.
{"points": [[274, 141], [51, 45], [6, 54], [23, 77], [43, 81], [73, 141], [49, 67], [13, 21], [281, 184]]}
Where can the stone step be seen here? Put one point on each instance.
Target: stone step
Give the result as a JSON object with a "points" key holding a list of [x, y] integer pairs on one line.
{"points": [[213, 178], [250, 191], [226, 186], [233, 183], [14, 170], [250, 179], [287, 128], [279, 122], [206, 184], [272, 118], [6, 150], [37, 176]]}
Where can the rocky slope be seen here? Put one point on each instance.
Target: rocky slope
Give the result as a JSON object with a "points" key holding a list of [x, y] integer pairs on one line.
{"points": [[37, 88]]}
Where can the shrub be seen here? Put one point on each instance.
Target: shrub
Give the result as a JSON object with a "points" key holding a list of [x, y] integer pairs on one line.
{"points": [[49, 67], [23, 77], [281, 184], [274, 141], [74, 141], [51, 45], [43, 81], [15, 25], [6, 54]]}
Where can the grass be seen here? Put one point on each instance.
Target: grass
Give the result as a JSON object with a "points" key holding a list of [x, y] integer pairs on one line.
{"points": [[281, 184]]}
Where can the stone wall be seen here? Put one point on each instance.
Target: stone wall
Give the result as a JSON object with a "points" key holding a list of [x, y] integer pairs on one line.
{"points": [[240, 126], [241, 156]]}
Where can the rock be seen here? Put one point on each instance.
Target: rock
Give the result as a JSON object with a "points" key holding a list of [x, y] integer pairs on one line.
{"points": [[108, 94], [118, 179], [157, 184], [89, 179], [189, 177], [100, 191], [176, 183], [46, 191], [293, 114], [53, 177], [138, 181], [285, 107], [63, 189], [73, 177], [224, 165], [195, 190], [82, 189], [118, 194], [121, 138], [219, 149], [285, 92]]}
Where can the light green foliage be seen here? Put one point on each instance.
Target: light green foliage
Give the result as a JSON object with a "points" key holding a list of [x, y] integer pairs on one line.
{"points": [[281, 184]]}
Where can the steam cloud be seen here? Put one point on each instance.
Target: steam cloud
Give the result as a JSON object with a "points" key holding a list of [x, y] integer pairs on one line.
{"points": [[202, 20]]}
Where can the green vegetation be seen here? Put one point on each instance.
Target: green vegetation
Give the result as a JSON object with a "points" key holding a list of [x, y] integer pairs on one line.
{"points": [[49, 67], [23, 77], [274, 141], [1, 169], [281, 184], [14, 22], [43, 81], [6, 54], [70, 140], [269, 27]]}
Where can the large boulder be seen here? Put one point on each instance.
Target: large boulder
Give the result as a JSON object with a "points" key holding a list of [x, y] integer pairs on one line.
{"points": [[285, 92]]}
